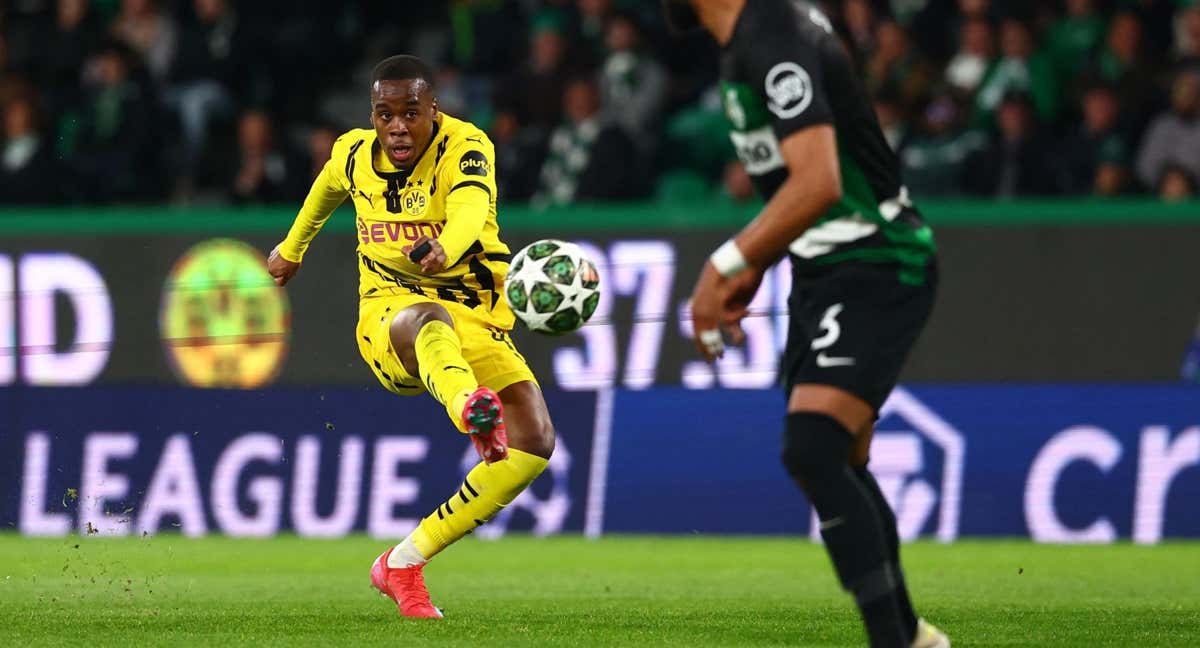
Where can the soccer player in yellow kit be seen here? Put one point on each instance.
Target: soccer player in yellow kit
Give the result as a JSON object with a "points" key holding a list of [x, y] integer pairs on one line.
{"points": [[431, 312]]}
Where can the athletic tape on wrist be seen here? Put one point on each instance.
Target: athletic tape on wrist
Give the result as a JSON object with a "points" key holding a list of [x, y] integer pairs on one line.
{"points": [[728, 259], [711, 339], [420, 251]]}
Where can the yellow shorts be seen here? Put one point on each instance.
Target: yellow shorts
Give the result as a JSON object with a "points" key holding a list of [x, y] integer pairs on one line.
{"points": [[486, 347]]}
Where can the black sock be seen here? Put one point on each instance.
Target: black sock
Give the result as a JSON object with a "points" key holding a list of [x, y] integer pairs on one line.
{"points": [[908, 615], [858, 546], [815, 450]]}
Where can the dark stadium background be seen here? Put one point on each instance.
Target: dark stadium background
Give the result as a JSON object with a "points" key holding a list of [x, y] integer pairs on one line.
{"points": [[231, 103]]}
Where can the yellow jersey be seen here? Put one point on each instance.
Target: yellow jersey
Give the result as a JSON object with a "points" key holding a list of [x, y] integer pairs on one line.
{"points": [[450, 195]]}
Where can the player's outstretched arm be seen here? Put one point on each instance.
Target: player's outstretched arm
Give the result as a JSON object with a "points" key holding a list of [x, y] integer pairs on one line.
{"points": [[813, 185], [327, 192], [731, 277]]}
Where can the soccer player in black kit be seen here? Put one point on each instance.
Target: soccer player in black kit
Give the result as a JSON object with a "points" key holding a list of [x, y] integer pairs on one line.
{"points": [[864, 275]]}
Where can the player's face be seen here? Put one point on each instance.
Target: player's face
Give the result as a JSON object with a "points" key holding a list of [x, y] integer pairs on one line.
{"points": [[403, 112]]}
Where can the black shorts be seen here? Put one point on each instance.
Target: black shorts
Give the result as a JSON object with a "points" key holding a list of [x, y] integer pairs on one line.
{"points": [[852, 325]]}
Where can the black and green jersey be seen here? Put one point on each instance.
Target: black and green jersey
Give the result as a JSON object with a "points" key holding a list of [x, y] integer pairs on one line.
{"points": [[785, 70]]}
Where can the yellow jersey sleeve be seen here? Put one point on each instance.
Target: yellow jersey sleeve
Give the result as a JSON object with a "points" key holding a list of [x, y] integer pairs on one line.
{"points": [[328, 190], [469, 176]]}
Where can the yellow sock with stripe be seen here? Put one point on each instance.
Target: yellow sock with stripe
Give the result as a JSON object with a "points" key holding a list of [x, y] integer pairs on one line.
{"points": [[486, 489], [445, 373]]}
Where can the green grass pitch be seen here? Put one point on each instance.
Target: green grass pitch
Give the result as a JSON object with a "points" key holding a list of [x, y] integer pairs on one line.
{"points": [[684, 591]]}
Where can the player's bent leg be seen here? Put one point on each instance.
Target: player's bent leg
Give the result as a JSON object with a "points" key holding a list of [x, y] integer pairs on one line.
{"points": [[487, 489], [818, 439], [424, 339]]}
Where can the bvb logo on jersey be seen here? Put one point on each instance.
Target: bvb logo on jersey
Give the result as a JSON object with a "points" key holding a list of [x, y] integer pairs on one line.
{"points": [[223, 321], [414, 201]]}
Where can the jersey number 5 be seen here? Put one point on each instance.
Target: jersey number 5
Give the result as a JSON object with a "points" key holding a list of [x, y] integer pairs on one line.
{"points": [[830, 327]]}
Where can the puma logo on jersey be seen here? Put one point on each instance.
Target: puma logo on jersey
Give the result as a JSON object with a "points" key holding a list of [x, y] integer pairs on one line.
{"points": [[474, 163]]}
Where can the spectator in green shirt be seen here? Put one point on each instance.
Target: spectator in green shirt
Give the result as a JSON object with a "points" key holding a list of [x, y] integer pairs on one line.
{"points": [[932, 162], [1019, 68], [1073, 38], [975, 57]]}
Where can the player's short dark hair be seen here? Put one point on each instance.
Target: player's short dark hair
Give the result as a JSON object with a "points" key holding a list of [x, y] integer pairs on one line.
{"points": [[402, 66]]}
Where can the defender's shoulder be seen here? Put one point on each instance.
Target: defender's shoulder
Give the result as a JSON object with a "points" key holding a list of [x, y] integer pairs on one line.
{"points": [[797, 23]]}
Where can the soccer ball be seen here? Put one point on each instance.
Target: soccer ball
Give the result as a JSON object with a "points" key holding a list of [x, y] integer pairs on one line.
{"points": [[552, 287]]}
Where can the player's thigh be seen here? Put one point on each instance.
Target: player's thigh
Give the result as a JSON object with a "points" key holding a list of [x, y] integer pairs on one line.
{"points": [[405, 326], [374, 337], [851, 411], [852, 331], [497, 364], [527, 419], [490, 351]]}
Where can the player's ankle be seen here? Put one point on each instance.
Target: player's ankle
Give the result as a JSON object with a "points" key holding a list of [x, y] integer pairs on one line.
{"points": [[458, 402], [405, 555]]}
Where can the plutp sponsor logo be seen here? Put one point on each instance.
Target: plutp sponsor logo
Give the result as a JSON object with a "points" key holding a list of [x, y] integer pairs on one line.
{"points": [[474, 163]]}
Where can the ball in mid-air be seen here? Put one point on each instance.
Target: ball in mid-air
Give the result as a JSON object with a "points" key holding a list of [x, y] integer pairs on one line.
{"points": [[552, 287]]}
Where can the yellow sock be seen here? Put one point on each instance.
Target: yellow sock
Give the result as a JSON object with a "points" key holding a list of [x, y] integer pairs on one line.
{"points": [[445, 373], [486, 489]]}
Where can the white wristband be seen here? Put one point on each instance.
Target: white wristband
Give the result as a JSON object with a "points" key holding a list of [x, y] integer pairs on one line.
{"points": [[728, 259]]}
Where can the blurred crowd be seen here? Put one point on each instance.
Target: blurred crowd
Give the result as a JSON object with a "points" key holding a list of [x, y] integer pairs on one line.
{"points": [[228, 102]]}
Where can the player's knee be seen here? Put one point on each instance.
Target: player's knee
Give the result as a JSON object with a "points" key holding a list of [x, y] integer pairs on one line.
{"points": [[813, 445], [407, 324], [530, 429], [539, 440]]}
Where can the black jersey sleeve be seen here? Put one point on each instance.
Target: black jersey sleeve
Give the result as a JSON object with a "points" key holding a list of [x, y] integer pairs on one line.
{"points": [[783, 57]]}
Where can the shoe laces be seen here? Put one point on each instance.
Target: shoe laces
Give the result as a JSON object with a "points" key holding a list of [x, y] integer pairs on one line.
{"points": [[414, 592]]}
